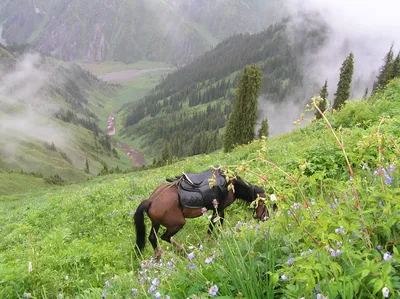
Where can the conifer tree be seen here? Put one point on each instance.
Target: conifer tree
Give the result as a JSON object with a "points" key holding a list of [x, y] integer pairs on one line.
{"points": [[385, 72], [240, 128], [396, 67], [264, 129], [365, 96], [323, 104], [343, 90], [166, 155], [87, 170]]}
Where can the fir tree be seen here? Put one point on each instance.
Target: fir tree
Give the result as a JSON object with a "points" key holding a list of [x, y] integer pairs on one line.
{"points": [[240, 128], [385, 72], [87, 170], [396, 67], [324, 95], [166, 156], [365, 96], [343, 90], [264, 129]]}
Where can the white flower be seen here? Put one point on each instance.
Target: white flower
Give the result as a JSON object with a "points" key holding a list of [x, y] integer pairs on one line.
{"points": [[30, 267], [385, 292], [273, 197]]}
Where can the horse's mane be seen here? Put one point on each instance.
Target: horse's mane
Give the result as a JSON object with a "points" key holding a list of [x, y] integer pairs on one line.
{"points": [[249, 188]]}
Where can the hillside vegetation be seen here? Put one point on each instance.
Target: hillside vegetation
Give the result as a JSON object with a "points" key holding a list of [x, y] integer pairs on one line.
{"points": [[53, 118], [129, 31], [335, 233], [190, 107]]}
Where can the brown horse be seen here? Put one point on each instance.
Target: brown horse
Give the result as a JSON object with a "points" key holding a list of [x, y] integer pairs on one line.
{"points": [[164, 208]]}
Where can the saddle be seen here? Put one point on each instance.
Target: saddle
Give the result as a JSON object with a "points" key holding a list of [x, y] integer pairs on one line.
{"points": [[194, 189]]}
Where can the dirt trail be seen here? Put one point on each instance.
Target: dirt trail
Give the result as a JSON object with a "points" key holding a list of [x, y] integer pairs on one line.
{"points": [[136, 157]]}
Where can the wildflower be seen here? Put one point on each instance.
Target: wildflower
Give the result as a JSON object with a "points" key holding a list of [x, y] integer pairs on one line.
{"points": [[313, 202], [339, 252], [309, 251], [209, 260], [157, 295], [142, 281], [332, 251], [339, 244], [215, 203], [290, 261], [203, 211], [167, 297], [60, 296], [66, 277], [295, 206], [107, 284], [320, 296], [284, 277], [340, 230], [27, 295], [190, 256], [134, 292], [155, 282], [392, 167], [169, 265], [200, 247], [30, 267], [151, 289], [385, 292], [379, 247], [272, 197], [387, 256], [104, 294], [213, 290], [192, 266]]}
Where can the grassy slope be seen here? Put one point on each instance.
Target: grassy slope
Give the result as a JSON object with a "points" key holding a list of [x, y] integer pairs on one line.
{"points": [[84, 231]]}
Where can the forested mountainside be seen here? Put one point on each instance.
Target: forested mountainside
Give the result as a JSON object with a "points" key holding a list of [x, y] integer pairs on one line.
{"points": [[190, 107], [49, 118], [128, 31]]}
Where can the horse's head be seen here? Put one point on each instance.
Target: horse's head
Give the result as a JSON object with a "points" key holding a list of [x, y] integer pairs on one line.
{"points": [[251, 193]]}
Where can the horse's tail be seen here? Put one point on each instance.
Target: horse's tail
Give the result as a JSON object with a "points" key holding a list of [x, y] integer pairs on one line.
{"points": [[139, 224]]}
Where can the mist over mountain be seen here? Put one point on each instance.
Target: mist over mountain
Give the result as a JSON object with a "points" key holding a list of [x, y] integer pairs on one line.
{"points": [[128, 31]]}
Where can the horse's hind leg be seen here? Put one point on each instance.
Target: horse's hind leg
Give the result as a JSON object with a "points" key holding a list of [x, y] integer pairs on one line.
{"points": [[153, 238], [171, 231]]}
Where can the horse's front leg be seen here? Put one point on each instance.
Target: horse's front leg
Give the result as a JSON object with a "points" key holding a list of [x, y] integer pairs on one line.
{"points": [[220, 214]]}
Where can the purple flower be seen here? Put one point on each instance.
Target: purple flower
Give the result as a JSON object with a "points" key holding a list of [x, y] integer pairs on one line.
{"points": [[209, 260], [387, 256], [157, 295], [339, 244], [204, 211], [190, 256], [379, 247], [155, 282], [151, 289], [169, 265], [104, 294], [134, 292], [284, 277], [392, 167], [290, 261], [339, 252], [142, 281], [340, 230], [213, 290], [200, 247], [192, 266], [167, 297], [107, 283]]}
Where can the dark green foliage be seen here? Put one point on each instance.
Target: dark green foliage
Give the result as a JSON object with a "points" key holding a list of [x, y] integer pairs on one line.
{"points": [[264, 129], [365, 96], [323, 104], [344, 85], [175, 111], [240, 129], [87, 170], [55, 180], [385, 72], [166, 156], [396, 67]]}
